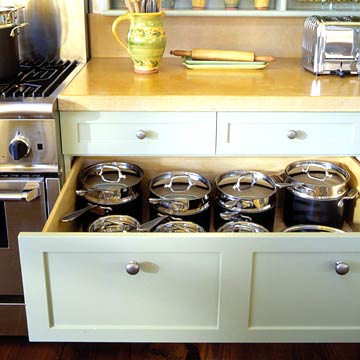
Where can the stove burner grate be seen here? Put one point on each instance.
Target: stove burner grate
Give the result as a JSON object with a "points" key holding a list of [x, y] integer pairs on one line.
{"points": [[37, 78]]}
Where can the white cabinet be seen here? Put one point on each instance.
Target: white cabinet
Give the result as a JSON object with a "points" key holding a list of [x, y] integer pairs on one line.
{"points": [[276, 133], [246, 8], [138, 133], [207, 287]]}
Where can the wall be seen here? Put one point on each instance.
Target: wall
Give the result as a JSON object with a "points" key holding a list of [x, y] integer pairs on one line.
{"points": [[280, 37]]}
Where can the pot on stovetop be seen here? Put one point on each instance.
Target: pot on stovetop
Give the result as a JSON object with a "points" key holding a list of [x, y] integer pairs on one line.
{"points": [[9, 48]]}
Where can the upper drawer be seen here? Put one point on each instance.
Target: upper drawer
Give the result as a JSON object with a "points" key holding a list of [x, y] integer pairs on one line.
{"points": [[288, 133], [141, 133]]}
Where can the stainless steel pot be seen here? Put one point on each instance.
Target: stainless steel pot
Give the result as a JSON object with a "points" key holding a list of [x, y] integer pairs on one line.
{"points": [[114, 223], [318, 193], [9, 48], [242, 226], [110, 183], [179, 227], [182, 194], [245, 195]]}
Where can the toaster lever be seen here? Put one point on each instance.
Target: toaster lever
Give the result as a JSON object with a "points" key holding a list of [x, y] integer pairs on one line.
{"points": [[342, 72]]}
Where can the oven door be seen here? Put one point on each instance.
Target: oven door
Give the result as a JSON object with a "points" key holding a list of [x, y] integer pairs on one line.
{"points": [[22, 208]]}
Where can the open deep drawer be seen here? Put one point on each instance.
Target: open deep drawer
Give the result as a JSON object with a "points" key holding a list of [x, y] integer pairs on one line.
{"points": [[196, 287]]}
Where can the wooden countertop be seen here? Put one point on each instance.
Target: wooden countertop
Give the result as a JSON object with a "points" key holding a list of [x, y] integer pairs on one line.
{"points": [[110, 84]]}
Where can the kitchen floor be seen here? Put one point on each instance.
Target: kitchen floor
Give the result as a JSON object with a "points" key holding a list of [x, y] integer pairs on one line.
{"points": [[14, 348]]}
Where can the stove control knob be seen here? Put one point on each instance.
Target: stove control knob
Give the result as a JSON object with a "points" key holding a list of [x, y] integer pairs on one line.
{"points": [[19, 147]]}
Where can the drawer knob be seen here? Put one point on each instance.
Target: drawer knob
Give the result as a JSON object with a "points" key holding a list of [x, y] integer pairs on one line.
{"points": [[292, 134], [133, 267], [341, 268], [141, 134]]}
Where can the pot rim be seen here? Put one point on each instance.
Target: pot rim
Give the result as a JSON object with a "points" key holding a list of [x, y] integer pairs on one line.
{"points": [[314, 227]]}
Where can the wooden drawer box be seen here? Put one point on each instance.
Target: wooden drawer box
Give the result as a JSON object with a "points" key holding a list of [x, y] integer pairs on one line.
{"points": [[262, 134], [144, 133], [205, 287]]}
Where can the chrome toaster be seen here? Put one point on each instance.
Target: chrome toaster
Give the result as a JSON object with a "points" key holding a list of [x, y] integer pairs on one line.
{"points": [[331, 45]]}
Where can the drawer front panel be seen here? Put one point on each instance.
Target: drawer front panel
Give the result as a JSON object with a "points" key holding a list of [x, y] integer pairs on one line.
{"points": [[77, 287], [288, 133], [138, 133], [302, 291], [170, 291]]}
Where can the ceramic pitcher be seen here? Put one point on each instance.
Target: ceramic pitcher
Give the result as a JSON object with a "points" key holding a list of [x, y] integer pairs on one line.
{"points": [[145, 41]]}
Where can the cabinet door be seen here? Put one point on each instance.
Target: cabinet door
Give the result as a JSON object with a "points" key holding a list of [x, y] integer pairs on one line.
{"points": [[138, 133], [296, 293], [77, 287], [288, 133]]}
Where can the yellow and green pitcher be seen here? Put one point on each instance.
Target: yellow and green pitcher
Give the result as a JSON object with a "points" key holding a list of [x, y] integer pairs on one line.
{"points": [[145, 40]]}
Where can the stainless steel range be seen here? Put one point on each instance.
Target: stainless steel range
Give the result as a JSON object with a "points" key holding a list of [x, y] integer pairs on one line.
{"points": [[31, 166]]}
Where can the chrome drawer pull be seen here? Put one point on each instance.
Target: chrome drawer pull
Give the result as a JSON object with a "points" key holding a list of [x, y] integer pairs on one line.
{"points": [[141, 134], [292, 134], [341, 268], [133, 267]]}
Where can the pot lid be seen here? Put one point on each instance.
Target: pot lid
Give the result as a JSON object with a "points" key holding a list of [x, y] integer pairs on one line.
{"points": [[317, 175], [114, 223], [179, 227], [237, 184], [177, 185], [111, 176], [242, 226]]}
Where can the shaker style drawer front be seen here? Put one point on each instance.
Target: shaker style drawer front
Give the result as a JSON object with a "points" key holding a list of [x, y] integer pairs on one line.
{"points": [[312, 293], [138, 133], [288, 133], [122, 287]]}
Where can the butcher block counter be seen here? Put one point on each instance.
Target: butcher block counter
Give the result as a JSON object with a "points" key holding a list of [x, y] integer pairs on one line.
{"points": [[110, 84]]}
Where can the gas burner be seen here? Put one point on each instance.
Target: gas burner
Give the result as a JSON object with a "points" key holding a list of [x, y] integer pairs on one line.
{"points": [[37, 78]]}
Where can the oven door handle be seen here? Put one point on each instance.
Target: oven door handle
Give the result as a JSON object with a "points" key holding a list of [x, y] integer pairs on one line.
{"points": [[30, 192]]}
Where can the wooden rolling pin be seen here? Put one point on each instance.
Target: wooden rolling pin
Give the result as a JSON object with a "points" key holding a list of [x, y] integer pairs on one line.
{"points": [[229, 55]]}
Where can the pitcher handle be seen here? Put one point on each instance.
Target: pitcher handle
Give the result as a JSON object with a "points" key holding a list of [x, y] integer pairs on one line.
{"points": [[116, 23]]}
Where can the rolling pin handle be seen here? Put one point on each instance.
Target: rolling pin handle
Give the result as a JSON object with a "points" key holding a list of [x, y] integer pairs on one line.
{"points": [[180, 52], [265, 58]]}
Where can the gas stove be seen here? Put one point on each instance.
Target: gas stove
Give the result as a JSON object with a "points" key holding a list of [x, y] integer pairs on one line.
{"points": [[32, 93], [37, 78]]}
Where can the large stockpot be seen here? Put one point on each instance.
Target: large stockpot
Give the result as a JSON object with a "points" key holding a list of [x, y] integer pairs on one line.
{"points": [[317, 194], [115, 185], [243, 195], [9, 48], [182, 194]]}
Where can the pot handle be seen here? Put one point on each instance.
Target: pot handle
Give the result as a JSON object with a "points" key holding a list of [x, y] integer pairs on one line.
{"points": [[13, 31], [189, 185], [352, 194], [254, 179], [234, 216], [306, 170], [114, 26], [111, 167]]}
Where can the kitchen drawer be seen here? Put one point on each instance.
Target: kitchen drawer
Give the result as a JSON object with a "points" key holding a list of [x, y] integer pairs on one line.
{"points": [[288, 133], [145, 133], [205, 287]]}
